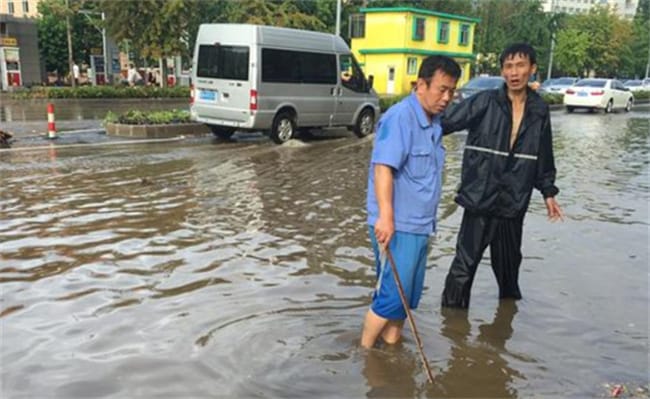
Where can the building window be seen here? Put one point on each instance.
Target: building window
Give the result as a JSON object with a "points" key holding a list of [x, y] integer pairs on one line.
{"points": [[25, 6], [10, 7], [3, 28], [443, 31], [463, 37], [418, 28], [412, 66], [357, 26]]}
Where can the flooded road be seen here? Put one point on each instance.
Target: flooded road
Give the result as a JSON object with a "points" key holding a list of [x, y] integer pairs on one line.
{"points": [[213, 269]]}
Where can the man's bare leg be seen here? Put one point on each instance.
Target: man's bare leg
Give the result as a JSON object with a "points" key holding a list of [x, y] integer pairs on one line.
{"points": [[393, 331], [372, 327]]}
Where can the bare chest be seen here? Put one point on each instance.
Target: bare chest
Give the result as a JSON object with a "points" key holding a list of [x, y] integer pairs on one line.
{"points": [[517, 116]]}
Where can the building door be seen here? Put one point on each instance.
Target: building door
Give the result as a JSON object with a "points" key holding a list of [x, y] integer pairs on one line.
{"points": [[390, 82]]}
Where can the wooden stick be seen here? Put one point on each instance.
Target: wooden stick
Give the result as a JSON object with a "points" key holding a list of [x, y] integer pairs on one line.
{"points": [[409, 315]]}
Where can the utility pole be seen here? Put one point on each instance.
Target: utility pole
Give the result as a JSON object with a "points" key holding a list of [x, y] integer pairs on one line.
{"points": [[338, 17], [108, 77], [69, 34], [647, 66], [550, 57], [108, 64]]}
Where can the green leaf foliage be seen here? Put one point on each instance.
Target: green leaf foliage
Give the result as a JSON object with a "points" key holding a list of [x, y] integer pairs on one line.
{"points": [[104, 92], [135, 117], [52, 40]]}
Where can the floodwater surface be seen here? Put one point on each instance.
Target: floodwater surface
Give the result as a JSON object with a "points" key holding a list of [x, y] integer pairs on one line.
{"points": [[243, 269]]}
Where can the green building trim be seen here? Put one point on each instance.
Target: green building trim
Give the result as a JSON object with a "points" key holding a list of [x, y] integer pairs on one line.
{"points": [[415, 51], [421, 12]]}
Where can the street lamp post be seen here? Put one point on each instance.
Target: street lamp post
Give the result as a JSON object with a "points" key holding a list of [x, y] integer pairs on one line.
{"points": [[108, 64], [338, 17], [550, 57], [647, 66], [107, 76]]}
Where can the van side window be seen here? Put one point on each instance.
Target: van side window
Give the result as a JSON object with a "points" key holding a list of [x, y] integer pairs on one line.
{"points": [[286, 66], [223, 62], [351, 75]]}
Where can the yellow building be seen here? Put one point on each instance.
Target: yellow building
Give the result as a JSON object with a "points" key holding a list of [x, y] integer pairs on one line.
{"points": [[19, 8], [390, 44]]}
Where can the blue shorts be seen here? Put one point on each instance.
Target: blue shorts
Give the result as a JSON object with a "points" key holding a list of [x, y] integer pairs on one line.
{"points": [[410, 254]]}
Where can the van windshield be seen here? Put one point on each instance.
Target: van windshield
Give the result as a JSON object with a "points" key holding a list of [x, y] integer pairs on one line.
{"points": [[223, 62]]}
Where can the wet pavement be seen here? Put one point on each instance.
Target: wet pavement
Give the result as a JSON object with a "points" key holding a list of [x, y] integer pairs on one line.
{"points": [[202, 268]]}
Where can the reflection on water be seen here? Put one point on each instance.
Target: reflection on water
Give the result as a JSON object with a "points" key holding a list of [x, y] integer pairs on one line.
{"points": [[244, 269], [481, 363], [477, 367]]}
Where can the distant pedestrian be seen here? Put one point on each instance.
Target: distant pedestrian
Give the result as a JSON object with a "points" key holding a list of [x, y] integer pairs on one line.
{"points": [[508, 152], [133, 76], [75, 73], [404, 187]]}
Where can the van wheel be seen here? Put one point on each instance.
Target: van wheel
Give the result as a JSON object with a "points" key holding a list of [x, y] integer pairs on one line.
{"points": [[365, 123], [222, 132], [284, 128]]}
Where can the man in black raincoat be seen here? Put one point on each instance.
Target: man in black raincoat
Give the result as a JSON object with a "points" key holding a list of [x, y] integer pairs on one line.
{"points": [[509, 151]]}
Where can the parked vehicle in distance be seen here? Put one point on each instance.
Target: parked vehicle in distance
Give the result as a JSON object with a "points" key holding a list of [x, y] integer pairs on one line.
{"points": [[477, 84], [593, 94], [546, 84], [278, 80], [558, 85], [636, 85]]}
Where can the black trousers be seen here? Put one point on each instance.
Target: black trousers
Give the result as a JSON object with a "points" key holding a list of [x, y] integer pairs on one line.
{"points": [[476, 233]]}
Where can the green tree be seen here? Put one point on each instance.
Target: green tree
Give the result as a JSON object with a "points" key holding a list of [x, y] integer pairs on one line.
{"points": [[52, 39], [571, 51], [640, 45], [609, 39], [285, 13], [154, 28], [504, 22]]}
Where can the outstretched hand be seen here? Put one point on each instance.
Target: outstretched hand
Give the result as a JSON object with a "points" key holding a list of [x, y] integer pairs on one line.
{"points": [[553, 210]]}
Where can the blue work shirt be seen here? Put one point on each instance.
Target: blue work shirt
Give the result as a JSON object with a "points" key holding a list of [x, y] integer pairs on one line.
{"points": [[411, 145]]}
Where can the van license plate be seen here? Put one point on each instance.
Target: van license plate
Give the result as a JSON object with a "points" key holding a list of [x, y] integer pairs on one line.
{"points": [[582, 94], [208, 95]]}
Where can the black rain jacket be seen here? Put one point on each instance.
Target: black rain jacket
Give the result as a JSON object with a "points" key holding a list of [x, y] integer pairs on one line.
{"points": [[495, 180]]}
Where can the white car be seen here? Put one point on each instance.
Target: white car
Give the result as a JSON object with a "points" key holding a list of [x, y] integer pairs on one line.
{"points": [[593, 94], [636, 85]]}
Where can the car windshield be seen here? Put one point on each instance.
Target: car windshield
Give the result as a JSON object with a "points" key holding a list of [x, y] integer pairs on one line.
{"points": [[484, 83], [549, 82], [564, 81], [591, 83], [633, 83]]}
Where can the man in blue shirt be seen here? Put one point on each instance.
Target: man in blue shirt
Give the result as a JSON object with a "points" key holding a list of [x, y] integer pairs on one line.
{"points": [[404, 186]]}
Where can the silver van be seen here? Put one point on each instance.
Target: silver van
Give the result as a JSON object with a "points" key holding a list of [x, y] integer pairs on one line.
{"points": [[278, 80]]}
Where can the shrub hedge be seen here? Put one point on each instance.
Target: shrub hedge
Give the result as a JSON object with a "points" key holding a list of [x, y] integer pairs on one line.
{"points": [[42, 92], [135, 117]]}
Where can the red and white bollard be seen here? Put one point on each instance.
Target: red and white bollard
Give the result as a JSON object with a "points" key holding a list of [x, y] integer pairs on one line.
{"points": [[51, 128]]}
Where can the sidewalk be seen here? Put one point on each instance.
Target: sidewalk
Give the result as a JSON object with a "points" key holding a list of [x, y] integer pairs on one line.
{"points": [[22, 129]]}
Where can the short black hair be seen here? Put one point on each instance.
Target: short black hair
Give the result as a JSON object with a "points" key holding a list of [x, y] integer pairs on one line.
{"points": [[442, 63], [523, 49]]}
